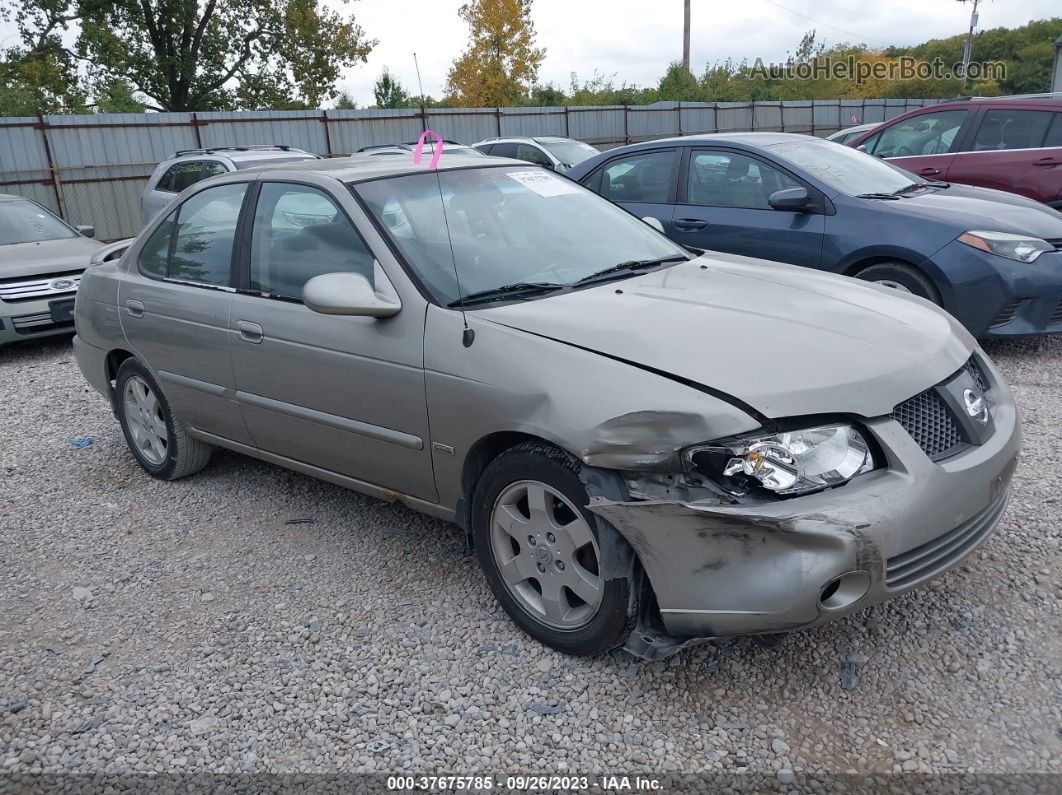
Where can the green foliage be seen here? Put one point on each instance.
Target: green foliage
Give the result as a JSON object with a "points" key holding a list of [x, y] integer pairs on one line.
{"points": [[501, 62], [390, 93], [187, 55], [344, 101], [117, 96]]}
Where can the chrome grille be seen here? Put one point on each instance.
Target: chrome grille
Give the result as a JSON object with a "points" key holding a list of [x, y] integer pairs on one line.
{"points": [[973, 367], [942, 552], [12, 290], [930, 424]]}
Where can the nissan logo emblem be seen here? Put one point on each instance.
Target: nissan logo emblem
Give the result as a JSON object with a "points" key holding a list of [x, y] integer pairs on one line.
{"points": [[975, 405], [62, 284]]}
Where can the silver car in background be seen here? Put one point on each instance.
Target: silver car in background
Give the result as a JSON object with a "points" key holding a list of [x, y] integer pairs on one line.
{"points": [[645, 447], [41, 261], [189, 166]]}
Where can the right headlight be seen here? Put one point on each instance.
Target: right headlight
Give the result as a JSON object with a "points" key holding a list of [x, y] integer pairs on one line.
{"points": [[786, 463], [1023, 248]]}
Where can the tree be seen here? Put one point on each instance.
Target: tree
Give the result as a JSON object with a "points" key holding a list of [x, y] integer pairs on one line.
{"points": [[117, 96], [501, 63], [678, 84], [345, 101], [39, 75], [186, 55], [389, 92]]}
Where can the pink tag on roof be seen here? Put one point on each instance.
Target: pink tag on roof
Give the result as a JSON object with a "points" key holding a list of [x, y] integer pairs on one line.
{"points": [[417, 153]]}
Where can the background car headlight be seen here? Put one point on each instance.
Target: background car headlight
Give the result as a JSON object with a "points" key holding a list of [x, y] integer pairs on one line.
{"points": [[786, 463], [1022, 248]]}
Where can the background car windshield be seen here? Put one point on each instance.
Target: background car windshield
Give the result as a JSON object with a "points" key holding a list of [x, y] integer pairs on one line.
{"points": [[848, 170], [505, 225], [570, 153], [25, 222]]}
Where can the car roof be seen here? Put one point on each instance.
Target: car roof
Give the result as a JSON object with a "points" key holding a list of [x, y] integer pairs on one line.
{"points": [[238, 153], [362, 167], [11, 197], [742, 138], [540, 139]]}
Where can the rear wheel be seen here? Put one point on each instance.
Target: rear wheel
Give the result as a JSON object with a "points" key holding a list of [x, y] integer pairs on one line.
{"points": [[539, 549], [903, 277], [158, 440]]}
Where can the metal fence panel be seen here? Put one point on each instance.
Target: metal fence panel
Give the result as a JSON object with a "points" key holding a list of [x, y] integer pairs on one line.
{"points": [[302, 129], [91, 168]]}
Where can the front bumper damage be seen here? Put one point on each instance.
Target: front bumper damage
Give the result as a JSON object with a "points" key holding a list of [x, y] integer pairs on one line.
{"points": [[724, 569]]}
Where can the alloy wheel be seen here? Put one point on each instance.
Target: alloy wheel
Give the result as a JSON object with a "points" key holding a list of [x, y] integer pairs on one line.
{"points": [[143, 416], [546, 554]]}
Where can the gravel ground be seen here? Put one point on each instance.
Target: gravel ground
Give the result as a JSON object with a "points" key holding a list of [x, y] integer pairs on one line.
{"points": [[252, 619]]}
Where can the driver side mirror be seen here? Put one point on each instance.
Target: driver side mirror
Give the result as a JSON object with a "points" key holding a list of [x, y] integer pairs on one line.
{"points": [[86, 230], [861, 148], [350, 294], [790, 199]]}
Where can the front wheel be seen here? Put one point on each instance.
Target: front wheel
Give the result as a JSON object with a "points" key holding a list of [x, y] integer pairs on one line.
{"points": [[539, 549], [903, 277], [158, 440]]}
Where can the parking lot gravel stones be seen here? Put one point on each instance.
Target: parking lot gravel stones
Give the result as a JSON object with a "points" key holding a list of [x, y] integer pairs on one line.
{"points": [[250, 619]]}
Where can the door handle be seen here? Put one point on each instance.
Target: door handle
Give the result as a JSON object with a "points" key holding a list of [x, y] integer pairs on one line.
{"points": [[689, 224], [249, 332], [136, 308], [1045, 162], [929, 172]]}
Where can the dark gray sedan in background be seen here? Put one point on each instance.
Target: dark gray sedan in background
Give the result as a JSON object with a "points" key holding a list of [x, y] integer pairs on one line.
{"points": [[644, 447], [992, 259]]}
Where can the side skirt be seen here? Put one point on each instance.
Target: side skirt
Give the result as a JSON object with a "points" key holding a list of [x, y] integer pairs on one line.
{"points": [[417, 504]]}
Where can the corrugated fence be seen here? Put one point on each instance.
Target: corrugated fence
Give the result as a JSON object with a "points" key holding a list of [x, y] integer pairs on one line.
{"points": [[92, 169]]}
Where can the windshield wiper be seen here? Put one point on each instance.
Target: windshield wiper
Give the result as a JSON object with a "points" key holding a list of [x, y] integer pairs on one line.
{"points": [[919, 185], [628, 267], [890, 196], [515, 290]]}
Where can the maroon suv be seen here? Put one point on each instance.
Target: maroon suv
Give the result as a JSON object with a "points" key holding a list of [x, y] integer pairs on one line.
{"points": [[1008, 143]]}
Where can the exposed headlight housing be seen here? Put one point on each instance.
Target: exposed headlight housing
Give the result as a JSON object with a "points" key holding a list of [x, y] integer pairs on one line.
{"points": [[785, 463], [1023, 248]]}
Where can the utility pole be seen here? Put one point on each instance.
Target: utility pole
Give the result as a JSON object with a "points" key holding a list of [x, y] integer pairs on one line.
{"points": [[969, 44], [686, 37]]}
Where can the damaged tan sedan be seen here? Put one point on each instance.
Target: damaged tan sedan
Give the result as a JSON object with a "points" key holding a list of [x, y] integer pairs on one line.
{"points": [[645, 446]]}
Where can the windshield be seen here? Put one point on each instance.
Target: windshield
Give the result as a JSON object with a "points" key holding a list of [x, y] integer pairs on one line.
{"points": [[506, 225], [570, 153], [848, 170], [26, 222]]}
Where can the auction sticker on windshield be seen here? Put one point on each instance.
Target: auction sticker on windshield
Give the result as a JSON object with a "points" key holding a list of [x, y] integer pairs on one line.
{"points": [[543, 183]]}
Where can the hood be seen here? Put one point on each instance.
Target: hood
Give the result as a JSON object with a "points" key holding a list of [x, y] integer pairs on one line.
{"points": [[787, 341], [967, 207], [48, 256]]}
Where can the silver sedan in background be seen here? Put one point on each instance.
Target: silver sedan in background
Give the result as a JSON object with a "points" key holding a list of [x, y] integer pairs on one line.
{"points": [[645, 447], [41, 261]]}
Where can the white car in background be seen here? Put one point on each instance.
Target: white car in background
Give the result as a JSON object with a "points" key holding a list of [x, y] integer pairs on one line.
{"points": [[189, 166]]}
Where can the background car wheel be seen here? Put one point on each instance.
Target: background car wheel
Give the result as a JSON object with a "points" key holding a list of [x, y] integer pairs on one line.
{"points": [[539, 549], [903, 277], [158, 440]]}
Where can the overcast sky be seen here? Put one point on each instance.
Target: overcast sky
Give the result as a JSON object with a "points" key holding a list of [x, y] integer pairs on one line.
{"points": [[635, 39]]}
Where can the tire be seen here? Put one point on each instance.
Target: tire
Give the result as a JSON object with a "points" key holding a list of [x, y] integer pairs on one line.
{"points": [[522, 575], [901, 276], [145, 415]]}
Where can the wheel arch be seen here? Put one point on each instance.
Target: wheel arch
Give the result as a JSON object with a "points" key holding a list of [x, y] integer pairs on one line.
{"points": [[923, 265]]}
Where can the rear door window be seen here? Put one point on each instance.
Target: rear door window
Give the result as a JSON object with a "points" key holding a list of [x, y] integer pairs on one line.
{"points": [[180, 176], [205, 230], [639, 177], [1012, 129]]}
